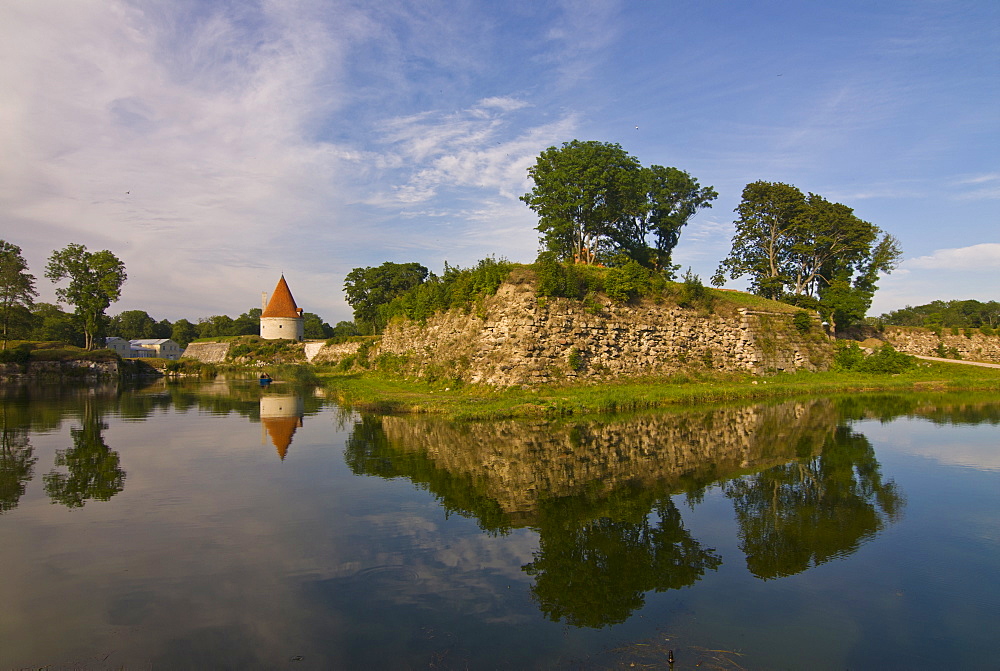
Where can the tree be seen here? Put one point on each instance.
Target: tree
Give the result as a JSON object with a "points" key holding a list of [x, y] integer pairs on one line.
{"points": [[807, 251], [247, 323], [50, 323], [595, 201], [133, 325], [183, 332], [95, 282], [368, 288], [17, 289], [314, 327], [768, 215]]}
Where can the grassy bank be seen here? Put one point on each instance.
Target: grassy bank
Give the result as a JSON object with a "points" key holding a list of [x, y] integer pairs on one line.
{"points": [[372, 392]]}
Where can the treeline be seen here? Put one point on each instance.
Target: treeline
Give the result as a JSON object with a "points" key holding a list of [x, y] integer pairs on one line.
{"points": [[380, 293], [48, 322], [969, 314]]}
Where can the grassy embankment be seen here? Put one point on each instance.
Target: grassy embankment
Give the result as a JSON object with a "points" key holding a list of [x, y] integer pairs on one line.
{"points": [[373, 392]]}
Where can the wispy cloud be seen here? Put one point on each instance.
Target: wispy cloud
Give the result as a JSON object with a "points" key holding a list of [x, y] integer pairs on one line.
{"points": [[985, 256]]}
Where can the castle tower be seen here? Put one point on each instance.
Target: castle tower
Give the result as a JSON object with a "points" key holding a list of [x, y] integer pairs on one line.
{"points": [[282, 318]]}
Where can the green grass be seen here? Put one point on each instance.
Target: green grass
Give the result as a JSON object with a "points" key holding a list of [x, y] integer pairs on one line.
{"points": [[371, 392]]}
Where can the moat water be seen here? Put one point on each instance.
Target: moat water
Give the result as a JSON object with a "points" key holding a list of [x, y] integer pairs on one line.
{"points": [[224, 526]]}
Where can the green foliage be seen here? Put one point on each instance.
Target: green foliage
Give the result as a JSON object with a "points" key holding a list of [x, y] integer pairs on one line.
{"points": [[368, 289], [576, 359], [595, 201], [19, 354], [884, 360], [456, 288], [17, 291], [694, 294], [802, 321], [793, 245], [937, 314], [256, 348], [95, 281], [627, 282], [566, 280]]}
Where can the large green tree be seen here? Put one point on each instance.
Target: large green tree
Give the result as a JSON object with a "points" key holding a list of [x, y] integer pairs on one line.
{"points": [[370, 287], [17, 290], [807, 250], [183, 332], [50, 323], [95, 282], [595, 203], [133, 325]]}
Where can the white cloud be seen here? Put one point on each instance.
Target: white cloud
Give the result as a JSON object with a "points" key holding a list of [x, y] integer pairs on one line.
{"points": [[985, 256]]}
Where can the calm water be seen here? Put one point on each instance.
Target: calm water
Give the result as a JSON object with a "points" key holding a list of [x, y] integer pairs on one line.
{"points": [[222, 526]]}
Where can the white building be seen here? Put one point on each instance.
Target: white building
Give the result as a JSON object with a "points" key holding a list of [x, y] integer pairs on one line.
{"points": [[163, 348]]}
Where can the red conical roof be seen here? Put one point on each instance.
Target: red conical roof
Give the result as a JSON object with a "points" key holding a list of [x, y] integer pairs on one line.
{"points": [[281, 304]]}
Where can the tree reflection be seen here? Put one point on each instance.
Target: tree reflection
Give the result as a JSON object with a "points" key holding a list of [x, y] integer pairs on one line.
{"points": [[93, 468], [596, 573], [17, 465], [806, 513]]}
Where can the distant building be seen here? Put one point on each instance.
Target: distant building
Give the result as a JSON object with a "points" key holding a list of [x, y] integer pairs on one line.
{"points": [[282, 318], [163, 348]]}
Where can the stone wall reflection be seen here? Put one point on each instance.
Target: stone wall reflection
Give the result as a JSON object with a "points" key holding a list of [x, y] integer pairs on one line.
{"points": [[518, 464], [805, 489]]}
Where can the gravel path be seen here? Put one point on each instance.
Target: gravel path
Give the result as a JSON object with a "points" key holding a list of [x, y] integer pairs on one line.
{"points": [[967, 363]]}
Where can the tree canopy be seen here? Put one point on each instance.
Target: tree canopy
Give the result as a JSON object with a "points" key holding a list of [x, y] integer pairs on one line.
{"points": [[368, 288], [95, 281], [957, 314], [808, 251], [17, 289], [596, 203]]}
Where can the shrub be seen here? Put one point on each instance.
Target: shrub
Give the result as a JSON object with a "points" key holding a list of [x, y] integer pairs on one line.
{"points": [[884, 360], [694, 293], [627, 282], [19, 354], [802, 321]]}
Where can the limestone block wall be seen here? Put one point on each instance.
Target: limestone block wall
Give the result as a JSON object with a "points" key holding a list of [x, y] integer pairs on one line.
{"points": [[207, 352], [914, 340], [59, 370], [517, 339]]}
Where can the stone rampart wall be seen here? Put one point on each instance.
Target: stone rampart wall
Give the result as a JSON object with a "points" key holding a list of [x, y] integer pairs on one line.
{"points": [[207, 352], [59, 370], [976, 346], [517, 339]]}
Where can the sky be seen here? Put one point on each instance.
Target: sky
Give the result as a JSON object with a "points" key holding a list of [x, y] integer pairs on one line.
{"points": [[213, 145]]}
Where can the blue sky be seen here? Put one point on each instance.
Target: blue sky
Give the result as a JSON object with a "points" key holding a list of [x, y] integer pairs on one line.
{"points": [[214, 145]]}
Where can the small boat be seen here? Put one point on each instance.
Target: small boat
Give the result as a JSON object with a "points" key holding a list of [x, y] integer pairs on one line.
{"points": [[265, 379]]}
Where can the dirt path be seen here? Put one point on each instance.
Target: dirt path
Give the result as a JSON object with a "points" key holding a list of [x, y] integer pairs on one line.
{"points": [[967, 363]]}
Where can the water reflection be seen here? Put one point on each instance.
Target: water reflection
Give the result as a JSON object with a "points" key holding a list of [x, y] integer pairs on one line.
{"points": [[93, 470], [280, 416], [815, 509], [17, 464], [595, 572], [805, 489]]}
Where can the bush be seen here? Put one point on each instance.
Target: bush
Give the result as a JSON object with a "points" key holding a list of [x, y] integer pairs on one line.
{"points": [[802, 321], [884, 360], [19, 354], [626, 282], [694, 294]]}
